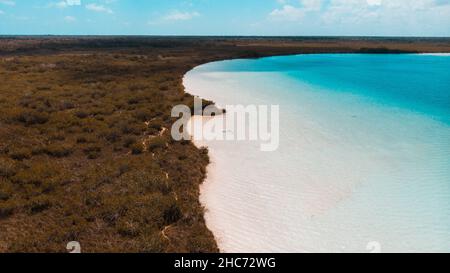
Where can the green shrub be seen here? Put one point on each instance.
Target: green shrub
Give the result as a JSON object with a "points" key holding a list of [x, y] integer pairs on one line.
{"points": [[132, 101], [81, 114], [92, 151], [124, 168], [93, 154], [7, 167], [6, 209], [4, 196], [136, 87], [199, 243], [82, 139], [137, 148], [20, 153], [57, 136], [143, 115], [172, 214], [156, 143], [126, 127], [91, 125], [128, 229], [112, 136], [66, 105], [31, 117], [39, 204], [152, 243], [145, 182], [156, 124], [204, 150], [44, 174], [6, 190], [58, 150], [129, 141], [43, 87]]}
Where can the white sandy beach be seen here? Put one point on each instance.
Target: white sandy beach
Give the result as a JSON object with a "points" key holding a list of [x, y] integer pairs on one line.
{"points": [[319, 192]]}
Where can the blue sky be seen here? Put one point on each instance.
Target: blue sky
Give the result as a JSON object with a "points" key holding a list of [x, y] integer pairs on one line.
{"points": [[227, 17]]}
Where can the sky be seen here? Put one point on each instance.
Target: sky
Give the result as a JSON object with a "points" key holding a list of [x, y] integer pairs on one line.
{"points": [[226, 17]]}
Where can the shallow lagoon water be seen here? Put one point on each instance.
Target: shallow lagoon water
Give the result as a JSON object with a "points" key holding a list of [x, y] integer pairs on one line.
{"points": [[364, 154]]}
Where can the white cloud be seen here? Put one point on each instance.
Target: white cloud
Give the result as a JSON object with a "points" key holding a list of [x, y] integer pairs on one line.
{"points": [[8, 2], [374, 2], [287, 13], [362, 17], [400, 17], [99, 8], [315, 5], [73, 2], [65, 3], [358, 11], [292, 13], [181, 16]]}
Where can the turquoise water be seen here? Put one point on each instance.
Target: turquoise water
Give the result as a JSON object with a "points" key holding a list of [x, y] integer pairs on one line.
{"points": [[364, 154], [416, 82]]}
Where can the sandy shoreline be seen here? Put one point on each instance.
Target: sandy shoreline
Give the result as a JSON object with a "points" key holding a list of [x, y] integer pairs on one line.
{"points": [[209, 181], [216, 177], [239, 202], [74, 75]]}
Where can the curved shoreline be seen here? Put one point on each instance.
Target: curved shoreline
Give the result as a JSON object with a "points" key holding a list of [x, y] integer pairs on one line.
{"points": [[100, 92], [211, 169]]}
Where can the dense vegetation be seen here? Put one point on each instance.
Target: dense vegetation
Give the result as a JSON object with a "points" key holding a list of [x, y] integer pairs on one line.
{"points": [[85, 147]]}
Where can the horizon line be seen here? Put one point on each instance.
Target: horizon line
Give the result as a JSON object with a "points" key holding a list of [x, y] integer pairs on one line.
{"points": [[230, 36]]}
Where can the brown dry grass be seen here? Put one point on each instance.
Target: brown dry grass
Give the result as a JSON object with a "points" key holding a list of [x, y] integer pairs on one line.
{"points": [[85, 153]]}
